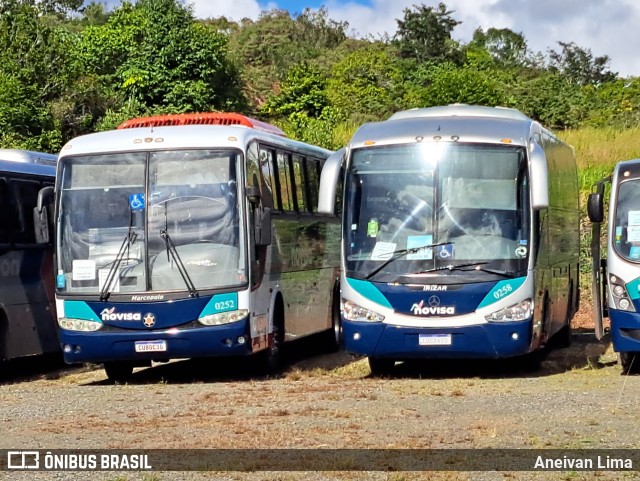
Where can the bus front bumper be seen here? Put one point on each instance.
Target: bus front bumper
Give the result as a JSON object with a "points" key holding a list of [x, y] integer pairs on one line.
{"points": [[130, 345], [625, 330], [390, 341]]}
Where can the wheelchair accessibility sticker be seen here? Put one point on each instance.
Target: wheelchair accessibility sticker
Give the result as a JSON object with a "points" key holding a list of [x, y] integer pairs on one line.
{"points": [[136, 201], [445, 251]]}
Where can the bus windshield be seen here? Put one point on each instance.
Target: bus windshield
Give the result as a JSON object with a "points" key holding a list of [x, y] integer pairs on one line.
{"points": [[150, 221], [627, 221], [470, 200]]}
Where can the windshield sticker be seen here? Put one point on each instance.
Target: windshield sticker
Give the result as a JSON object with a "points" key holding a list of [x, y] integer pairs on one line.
{"points": [[417, 242], [523, 242], [634, 252], [445, 251], [618, 234], [383, 251], [634, 217], [372, 228], [102, 279], [83, 270], [521, 252], [136, 201], [633, 233]]}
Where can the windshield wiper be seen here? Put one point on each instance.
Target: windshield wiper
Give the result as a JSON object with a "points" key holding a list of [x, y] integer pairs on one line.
{"points": [[172, 253], [476, 267], [127, 242], [400, 253]]}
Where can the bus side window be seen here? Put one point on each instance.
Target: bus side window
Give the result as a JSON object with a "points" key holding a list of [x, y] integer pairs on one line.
{"points": [[26, 193], [300, 181], [267, 168], [9, 222], [313, 182], [284, 179]]}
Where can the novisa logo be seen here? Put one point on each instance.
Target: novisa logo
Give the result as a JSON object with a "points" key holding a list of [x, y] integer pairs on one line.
{"points": [[112, 315], [419, 309]]}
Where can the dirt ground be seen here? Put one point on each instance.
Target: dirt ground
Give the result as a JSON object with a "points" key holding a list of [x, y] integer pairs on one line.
{"points": [[577, 399]]}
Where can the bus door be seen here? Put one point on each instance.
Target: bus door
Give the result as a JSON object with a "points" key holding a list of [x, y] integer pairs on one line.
{"points": [[595, 209]]}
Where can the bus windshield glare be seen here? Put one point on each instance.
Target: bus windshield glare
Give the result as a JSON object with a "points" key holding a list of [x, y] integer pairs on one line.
{"points": [[150, 221], [471, 200]]}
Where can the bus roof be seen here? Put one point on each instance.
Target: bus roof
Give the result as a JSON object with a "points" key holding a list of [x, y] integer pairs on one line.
{"points": [[463, 123], [28, 162], [204, 118], [180, 137], [28, 156]]}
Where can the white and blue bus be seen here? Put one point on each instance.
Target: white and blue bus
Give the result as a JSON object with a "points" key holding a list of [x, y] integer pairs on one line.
{"points": [[191, 235], [616, 278], [460, 235], [27, 317]]}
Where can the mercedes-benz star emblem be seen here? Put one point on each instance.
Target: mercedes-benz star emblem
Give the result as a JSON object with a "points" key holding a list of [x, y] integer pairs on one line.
{"points": [[149, 320], [434, 301]]}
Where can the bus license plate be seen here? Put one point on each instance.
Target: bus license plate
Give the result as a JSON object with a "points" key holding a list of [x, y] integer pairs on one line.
{"points": [[151, 346], [434, 339]]}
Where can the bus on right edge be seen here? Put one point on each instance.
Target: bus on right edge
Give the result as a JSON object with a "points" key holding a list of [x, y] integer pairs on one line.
{"points": [[616, 278], [460, 236]]}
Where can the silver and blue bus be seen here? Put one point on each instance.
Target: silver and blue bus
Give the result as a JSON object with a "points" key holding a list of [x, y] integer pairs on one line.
{"points": [[460, 235], [192, 235], [27, 306], [616, 278]]}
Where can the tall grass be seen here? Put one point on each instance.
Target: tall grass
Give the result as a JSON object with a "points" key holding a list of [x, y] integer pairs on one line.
{"points": [[599, 149]]}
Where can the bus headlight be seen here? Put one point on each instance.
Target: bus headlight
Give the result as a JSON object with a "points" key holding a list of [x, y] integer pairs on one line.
{"points": [[79, 324], [354, 312], [223, 317], [517, 312], [620, 295]]}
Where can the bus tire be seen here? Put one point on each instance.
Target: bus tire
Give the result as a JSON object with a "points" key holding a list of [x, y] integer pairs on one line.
{"points": [[563, 336], [630, 362], [380, 366], [4, 336], [334, 335], [118, 371], [274, 360]]}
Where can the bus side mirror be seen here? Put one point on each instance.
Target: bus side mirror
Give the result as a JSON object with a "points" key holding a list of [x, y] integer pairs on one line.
{"points": [[263, 226], [329, 179], [539, 178], [253, 194], [43, 224], [595, 207]]}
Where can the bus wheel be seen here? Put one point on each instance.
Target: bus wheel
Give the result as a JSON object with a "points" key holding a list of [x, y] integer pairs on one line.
{"points": [[630, 362], [334, 335], [563, 336], [118, 371], [381, 366], [273, 362]]}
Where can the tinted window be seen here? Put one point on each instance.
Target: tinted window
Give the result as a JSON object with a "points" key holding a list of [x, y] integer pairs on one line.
{"points": [[300, 183], [284, 177]]}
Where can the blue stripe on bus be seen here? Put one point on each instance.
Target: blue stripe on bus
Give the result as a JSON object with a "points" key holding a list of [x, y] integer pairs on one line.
{"points": [[633, 288], [369, 291], [221, 303], [501, 290], [79, 310]]}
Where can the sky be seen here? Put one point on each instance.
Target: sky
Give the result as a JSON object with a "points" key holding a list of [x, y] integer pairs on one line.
{"points": [[606, 27]]}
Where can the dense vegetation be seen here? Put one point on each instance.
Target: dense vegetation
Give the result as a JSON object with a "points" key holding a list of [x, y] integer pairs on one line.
{"points": [[66, 70]]}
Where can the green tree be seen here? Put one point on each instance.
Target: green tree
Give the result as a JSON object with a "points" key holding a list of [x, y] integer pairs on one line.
{"points": [[505, 46], [37, 67], [424, 34], [579, 65], [449, 84], [276, 41], [303, 91], [155, 57], [367, 84]]}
